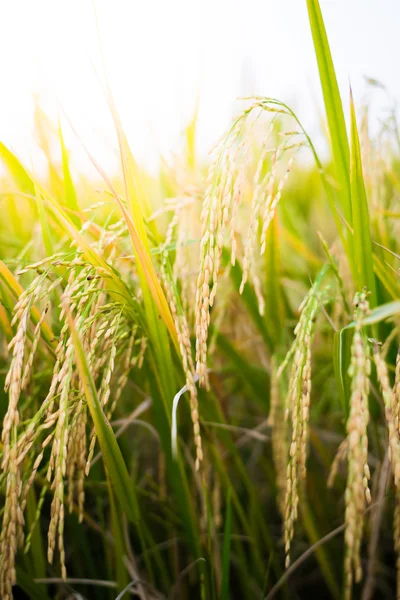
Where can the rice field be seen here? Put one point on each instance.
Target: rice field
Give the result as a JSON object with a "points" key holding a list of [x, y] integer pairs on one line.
{"points": [[201, 369]]}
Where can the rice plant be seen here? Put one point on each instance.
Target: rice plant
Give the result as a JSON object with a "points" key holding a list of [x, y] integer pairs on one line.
{"points": [[202, 369]]}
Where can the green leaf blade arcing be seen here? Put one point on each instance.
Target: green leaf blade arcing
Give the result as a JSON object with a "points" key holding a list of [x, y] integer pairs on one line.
{"points": [[342, 348], [113, 459], [341, 362], [362, 245], [333, 107], [70, 198], [24, 185], [226, 551], [379, 314], [274, 295], [16, 171]]}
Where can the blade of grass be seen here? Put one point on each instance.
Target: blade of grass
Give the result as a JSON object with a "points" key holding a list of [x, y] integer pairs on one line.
{"points": [[45, 133], [121, 573], [274, 305], [113, 459], [333, 107], [226, 550], [48, 245], [341, 361], [255, 380], [22, 180], [362, 245], [70, 199], [387, 277], [311, 526], [16, 171], [379, 314], [190, 134], [342, 348], [37, 554], [5, 322]]}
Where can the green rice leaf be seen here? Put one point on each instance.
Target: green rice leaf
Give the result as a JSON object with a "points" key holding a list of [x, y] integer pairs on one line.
{"points": [[379, 314], [226, 551], [70, 199], [387, 277], [21, 180], [48, 244], [112, 456], [121, 573], [37, 554], [362, 245], [5, 322], [311, 527], [342, 348], [333, 107], [190, 134], [274, 304], [341, 361], [17, 171], [255, 380]]}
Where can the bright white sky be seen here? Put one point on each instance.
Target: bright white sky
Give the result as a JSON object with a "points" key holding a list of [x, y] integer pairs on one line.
{"points": [[161, 55]]}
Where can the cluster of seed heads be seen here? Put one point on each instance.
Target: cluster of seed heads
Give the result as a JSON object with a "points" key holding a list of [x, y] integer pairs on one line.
{"points": [[225, 188], [186, 262], [11, 537], [391, 399], [265, 200], [298, 408], [357, 494], [185, 348], [355, 446], [61, 421]]}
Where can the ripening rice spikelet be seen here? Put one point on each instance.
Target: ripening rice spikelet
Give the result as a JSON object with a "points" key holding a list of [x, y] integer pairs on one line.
{"points": [[60, 424], [357, 494], [223, 197]]}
